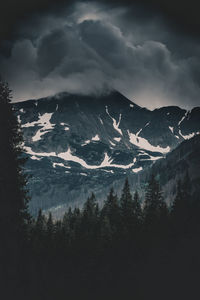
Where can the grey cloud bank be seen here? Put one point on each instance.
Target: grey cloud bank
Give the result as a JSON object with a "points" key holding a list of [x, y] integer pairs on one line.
{"points": [[90, 51]]}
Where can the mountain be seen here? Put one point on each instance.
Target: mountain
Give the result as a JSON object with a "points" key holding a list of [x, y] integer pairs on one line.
{"points": [[183, 159], [79, 144]]}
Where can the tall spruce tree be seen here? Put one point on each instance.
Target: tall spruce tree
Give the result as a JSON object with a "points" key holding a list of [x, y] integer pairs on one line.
{"points": [[137, 209], [154, 206], [39, 232], [68, 228], [50, 229], [89, 217], [111, 211], [14, 216], [13, 192], [127, 209]]}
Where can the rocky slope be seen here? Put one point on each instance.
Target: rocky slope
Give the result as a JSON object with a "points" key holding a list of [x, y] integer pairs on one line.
{"points": [[78, 144]]}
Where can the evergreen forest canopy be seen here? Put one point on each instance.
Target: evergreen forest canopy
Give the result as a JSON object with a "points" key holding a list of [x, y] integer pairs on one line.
{"points": [[123, 250]]}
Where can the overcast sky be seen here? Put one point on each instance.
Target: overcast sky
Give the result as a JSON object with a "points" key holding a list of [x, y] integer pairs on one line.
{"points": [[91, 48]]}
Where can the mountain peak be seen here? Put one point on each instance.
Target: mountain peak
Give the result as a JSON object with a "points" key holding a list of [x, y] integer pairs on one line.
{"points": [[74, 142]]}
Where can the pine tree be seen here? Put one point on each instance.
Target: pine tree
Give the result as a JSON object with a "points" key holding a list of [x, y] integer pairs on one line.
{"points": [[154, 206], [40, 223], [89, 218], [127, 209], [14, 216], [39, 233], [90, 207], [77, 222], [137, 209], [50, 229], [111, 211], [13, 193], [68, 227]]}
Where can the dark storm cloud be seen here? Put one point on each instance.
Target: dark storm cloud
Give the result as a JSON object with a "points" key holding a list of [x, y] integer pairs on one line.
{"points": [[183, 15], [91, 48], [57, 43]]}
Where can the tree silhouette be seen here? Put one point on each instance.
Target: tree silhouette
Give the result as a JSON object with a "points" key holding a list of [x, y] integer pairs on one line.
{"points": [[14, 216], [127, 209], [111, 214], [154, 206], [137, 210]]}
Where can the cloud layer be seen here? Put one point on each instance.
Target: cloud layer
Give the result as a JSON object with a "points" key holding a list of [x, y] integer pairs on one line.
{"points": [[93, 49]]}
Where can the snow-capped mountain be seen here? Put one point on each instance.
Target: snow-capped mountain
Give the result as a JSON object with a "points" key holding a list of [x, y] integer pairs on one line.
{"points": [[78, 144]]}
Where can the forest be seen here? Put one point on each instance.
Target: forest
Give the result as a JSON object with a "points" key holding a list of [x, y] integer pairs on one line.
{"points": [[125, 249]]}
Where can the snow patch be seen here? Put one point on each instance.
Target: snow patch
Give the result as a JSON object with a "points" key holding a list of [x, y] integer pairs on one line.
{"points": [[188, 114], [19, 119], [144, 144], [66, 126], [115, 123], [35, 157], [22, 110], [85, 143], [136, 170], [60, 165], [151, 157], [188, 136], [142, 153], [112, 143], [107, 162], [31, 152], [131, 105], [101, 120], [68, 156], [43, 121], [179, 123], [96, 138], [171, 128], [137, 133], [108, 171], [117, 139]]}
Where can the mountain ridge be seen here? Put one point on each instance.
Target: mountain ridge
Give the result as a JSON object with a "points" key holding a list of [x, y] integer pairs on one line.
{"points": [[76, 144]]}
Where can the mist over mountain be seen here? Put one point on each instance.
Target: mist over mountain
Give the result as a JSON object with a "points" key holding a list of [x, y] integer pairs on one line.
{"points": [[81, 144]]}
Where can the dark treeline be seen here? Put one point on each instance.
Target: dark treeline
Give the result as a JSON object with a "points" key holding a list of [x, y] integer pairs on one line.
{"points": [[119, 251], [123, 250]]}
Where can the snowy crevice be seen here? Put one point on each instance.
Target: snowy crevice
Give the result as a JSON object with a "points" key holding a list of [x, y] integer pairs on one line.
{"points": [[115, 123]]}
